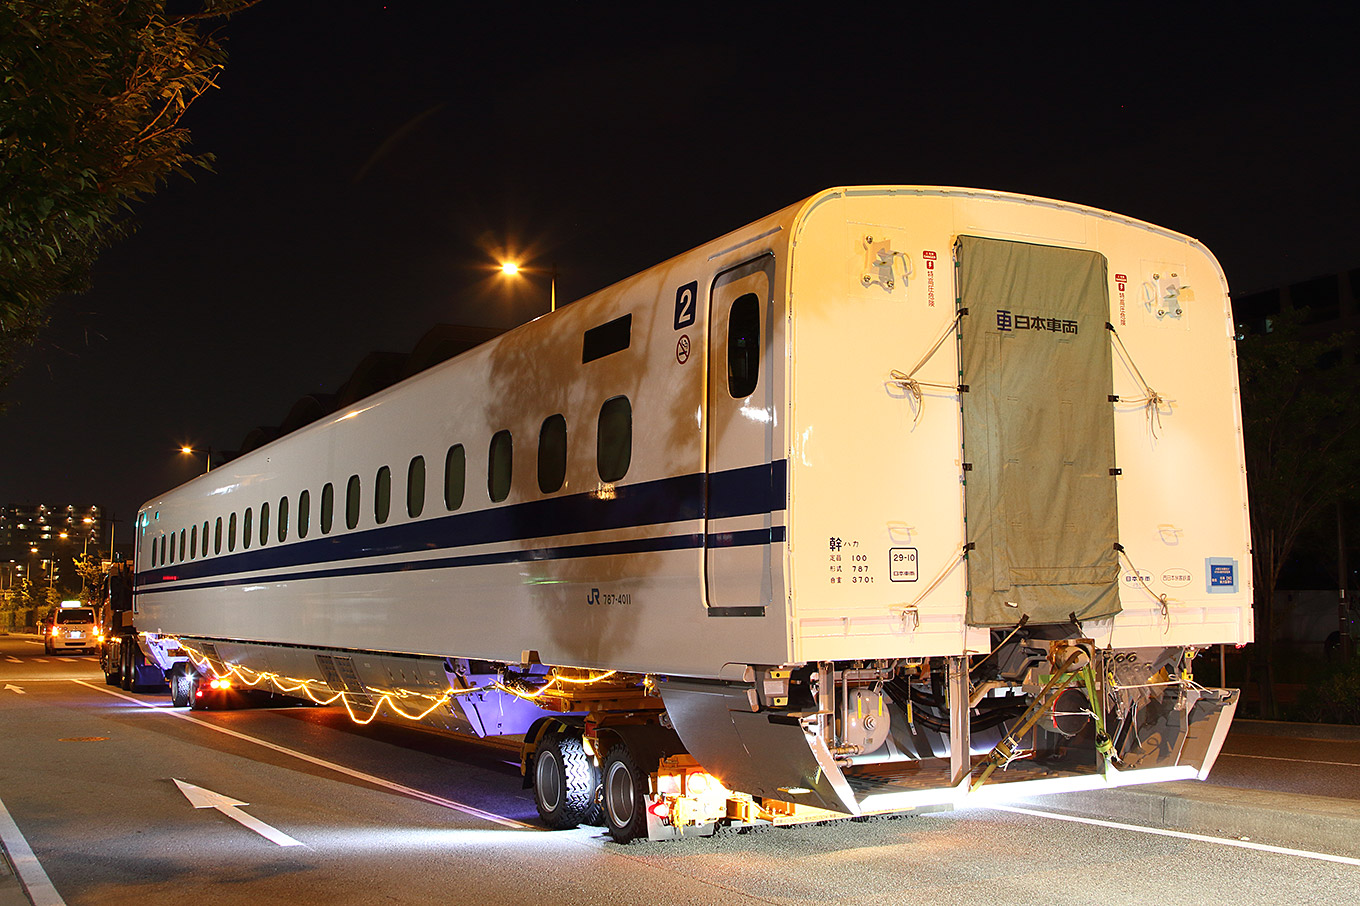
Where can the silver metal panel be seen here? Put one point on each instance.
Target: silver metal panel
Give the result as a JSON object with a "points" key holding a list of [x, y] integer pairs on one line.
{"points": [[1187, 729], [763, 754]]}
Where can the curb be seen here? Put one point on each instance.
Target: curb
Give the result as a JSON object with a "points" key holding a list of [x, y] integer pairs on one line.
{"points": [[1285, 819], [12, 892]]}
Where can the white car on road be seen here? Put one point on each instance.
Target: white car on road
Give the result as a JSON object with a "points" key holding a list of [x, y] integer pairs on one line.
{"points": [[72, 627]]}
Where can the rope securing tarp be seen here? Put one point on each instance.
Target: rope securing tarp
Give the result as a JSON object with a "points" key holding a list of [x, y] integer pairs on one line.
{"points": [[1151, 399], [908, 381]]}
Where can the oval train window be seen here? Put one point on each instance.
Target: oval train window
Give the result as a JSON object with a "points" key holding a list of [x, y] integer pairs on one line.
{"points": [[352, 502], [327, 508], [499, 466], [382, 495], [552, 454], [304, 517], [614, 439], [455, 473]]}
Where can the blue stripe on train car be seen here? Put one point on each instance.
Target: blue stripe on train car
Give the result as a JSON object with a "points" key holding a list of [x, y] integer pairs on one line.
{"points": [[738, 492]]}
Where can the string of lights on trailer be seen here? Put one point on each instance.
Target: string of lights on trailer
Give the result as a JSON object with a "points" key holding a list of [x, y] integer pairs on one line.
{"points": [[390, 697], [387, 697]]}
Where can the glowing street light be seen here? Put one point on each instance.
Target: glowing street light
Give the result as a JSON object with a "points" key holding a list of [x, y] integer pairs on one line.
{"points": [[207, 454], [513, 269]]}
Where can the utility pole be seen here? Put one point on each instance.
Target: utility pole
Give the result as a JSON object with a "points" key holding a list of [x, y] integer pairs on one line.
{"points": [[1343, 575]]}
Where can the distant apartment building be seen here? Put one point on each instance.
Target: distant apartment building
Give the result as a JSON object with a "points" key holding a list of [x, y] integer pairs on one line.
{"points": [[37, 530]]}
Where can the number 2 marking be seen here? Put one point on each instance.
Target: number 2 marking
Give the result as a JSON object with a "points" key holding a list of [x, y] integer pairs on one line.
{"points": [[685, 298]]}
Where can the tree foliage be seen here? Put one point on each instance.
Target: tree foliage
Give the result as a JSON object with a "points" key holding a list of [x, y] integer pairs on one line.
{"points": [[92, 99], [1301, 420], [91, 573], [20, 595]]}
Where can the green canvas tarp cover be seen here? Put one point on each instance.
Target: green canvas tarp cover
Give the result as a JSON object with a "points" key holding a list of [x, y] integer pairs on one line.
{"points": [[1038, 431]]}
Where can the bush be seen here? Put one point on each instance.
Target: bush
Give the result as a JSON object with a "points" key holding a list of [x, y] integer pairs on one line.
{"points": [[1334, 698]]}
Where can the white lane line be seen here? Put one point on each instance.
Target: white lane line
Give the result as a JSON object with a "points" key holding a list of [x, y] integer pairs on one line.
{"points": [[35, 881], [1182, 835], [50, 679], [12, 659], [1340, 764], [330, 765]]}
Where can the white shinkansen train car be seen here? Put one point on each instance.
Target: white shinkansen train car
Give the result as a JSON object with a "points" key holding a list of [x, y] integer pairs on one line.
{"points": [[867, 506]]}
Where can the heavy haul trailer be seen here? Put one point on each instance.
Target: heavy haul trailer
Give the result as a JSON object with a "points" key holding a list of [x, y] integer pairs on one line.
{"points": [[129, 658], [868, 506]]}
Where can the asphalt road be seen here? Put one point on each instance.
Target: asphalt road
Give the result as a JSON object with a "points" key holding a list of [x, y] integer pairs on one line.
{"points": [[1289, 764], [388, 815]]}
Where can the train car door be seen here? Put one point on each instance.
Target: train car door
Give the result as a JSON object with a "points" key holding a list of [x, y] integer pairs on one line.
{"points": [[740, 490]]}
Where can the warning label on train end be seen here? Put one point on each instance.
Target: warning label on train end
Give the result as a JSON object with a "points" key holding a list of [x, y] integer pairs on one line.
{"points": [[902, 564]]}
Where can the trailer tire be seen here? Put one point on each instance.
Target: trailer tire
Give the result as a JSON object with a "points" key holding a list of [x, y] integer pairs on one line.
{"points": [[181, 687], [133, 661], [565, 781], [625, 795], [195, 702], [106, 661], [125, 666]]}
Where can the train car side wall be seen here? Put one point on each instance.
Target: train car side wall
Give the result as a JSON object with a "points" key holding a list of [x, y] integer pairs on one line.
{"points": [[591, 573]]}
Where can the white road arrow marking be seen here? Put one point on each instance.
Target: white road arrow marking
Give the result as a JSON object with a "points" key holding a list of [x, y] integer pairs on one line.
{"points": [[18, 689], [201, 798]]}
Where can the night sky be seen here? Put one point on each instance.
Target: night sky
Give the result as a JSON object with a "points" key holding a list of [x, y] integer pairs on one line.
{"points": [[373, 160]]}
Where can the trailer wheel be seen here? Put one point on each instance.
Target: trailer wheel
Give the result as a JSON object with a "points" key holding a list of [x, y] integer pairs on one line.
{"points": [[125, 666], [565, 780], [105, 662], [196, 703], [181, 687], [625, 796]]}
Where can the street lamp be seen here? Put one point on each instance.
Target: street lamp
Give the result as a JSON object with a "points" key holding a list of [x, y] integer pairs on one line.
{"points": [[514, 269], [192, 452]]}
